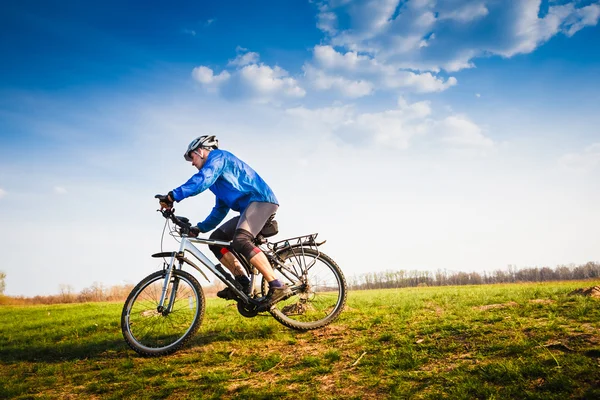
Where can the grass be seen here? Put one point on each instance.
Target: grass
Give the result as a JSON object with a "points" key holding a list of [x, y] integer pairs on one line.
{"points": [[521, 341]]}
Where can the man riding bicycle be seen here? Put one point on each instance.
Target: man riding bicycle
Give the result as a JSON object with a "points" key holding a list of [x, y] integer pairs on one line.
{"points": [[237, 187]]}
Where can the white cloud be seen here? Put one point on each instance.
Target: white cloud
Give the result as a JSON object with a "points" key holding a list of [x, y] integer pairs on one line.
{"points": [[60, 190], [327, 57], [358, 75], [459, 131], [244, 59], [427, 35], [266, 83], [530, 31], [189, 32], [250, 80], [330, 117], [2, 193], [459, 61], [586, 160], [206, 76], [374, 14], [374, 29], [327, 21], [320, 80], [421, 83], [395, 128], [585, 16], [467, 13]]}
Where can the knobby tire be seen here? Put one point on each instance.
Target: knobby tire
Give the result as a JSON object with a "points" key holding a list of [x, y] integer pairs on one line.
{"points": [[151, 333], [322, 303]]}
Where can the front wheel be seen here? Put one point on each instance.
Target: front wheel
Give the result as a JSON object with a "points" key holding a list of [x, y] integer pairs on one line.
{"points": [[154, 331], [319, 289]]}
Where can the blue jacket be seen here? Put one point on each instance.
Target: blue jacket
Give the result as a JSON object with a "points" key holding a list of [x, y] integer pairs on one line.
{"points": [[234, 183]]}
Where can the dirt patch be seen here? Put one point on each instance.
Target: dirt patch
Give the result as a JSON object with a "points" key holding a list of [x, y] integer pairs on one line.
{"points": [[450, 363], [589, 328], [593, 291], [557, 345], [330, 331], [431, 306], [542, 301], [493, 306], [586, 339], [537, 383]]}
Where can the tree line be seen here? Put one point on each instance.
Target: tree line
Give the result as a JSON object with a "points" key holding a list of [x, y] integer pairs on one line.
{"points": [[403, 278], [98, 292]]}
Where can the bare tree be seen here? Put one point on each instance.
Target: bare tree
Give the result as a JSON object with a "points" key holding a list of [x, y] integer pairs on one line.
{"points": [[2, 282], [66, 293]]}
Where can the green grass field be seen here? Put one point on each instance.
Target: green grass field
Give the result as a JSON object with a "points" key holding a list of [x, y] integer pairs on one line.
{"points": [[532, 341]]}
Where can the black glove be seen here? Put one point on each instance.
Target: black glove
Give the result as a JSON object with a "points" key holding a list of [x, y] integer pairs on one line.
{"points": [[166, 201], [194, 231]]}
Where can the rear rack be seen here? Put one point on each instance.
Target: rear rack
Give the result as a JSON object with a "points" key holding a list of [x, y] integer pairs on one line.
{"points": [[298, 247], [297, 242]]}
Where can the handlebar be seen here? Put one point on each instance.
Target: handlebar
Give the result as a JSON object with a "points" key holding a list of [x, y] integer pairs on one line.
{"points": [[182, 222]]}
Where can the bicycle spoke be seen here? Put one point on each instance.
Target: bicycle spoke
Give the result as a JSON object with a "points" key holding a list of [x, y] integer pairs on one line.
{"points": [[149, 331], [319, 285]]}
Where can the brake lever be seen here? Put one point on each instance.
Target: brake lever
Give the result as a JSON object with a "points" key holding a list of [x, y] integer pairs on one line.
{"points": [[166, 212]]}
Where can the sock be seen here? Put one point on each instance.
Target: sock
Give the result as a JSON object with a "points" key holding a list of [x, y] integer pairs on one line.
{"points": [[276, 283]]}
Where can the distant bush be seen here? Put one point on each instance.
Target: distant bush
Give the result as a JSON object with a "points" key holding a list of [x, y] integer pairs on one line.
{"points": [[414, 278], [97, 292]]}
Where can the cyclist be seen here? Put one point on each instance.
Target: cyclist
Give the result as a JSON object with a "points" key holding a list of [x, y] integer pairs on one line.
{"points": [[237, 187]]}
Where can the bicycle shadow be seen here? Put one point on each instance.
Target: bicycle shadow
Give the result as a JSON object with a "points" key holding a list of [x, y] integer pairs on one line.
{"points": [[215, 336], [117, 348], [61, 352]]}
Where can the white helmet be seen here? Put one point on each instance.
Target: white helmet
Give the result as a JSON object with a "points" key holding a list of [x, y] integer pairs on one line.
{"points": [[204, 141]]}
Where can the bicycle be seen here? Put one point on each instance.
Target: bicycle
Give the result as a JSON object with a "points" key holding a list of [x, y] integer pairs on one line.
{"points": [[165, 309]]}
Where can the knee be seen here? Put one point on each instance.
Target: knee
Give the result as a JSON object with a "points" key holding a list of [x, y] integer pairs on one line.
{"points": [[241, 240], [243, 244]]}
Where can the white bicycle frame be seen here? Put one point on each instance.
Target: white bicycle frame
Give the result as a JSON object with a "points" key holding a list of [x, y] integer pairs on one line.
{"points": [[186, 245]]}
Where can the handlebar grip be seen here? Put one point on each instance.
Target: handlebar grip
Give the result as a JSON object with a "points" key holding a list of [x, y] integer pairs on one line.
{"points": [[181, 222]]}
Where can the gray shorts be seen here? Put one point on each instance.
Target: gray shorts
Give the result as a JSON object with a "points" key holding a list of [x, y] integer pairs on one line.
{"points": [[253, 219]]}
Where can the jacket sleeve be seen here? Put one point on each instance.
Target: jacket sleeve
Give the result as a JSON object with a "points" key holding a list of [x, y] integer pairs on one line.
{"points": [[217, 215], [208, 174]]}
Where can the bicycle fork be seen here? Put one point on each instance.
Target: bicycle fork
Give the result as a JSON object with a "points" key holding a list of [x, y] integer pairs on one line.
{"points": [[161, 305]]}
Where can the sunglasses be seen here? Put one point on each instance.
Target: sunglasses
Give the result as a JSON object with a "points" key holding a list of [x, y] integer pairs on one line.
{"points": [[196, 151]]}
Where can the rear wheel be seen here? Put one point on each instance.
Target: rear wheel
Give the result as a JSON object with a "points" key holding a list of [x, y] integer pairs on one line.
{"points": [[152, 331], [319, 289]]}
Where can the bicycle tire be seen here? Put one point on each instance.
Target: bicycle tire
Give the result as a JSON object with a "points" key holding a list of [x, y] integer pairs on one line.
{"points": [[321, 302], [152, 333]]}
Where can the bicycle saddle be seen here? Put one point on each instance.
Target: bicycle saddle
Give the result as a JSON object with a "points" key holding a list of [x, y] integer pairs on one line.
{"points": [[271, 228]]}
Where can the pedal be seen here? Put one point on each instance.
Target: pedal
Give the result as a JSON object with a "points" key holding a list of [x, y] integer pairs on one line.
{"points": [[264, 307], [226, 294]]}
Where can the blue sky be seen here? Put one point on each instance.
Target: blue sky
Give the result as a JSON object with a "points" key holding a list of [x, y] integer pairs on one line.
{"points": [[111, 42], [463, 134]]}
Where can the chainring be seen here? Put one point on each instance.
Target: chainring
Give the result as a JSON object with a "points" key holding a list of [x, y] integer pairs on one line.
{"points": [[247, 310]]}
